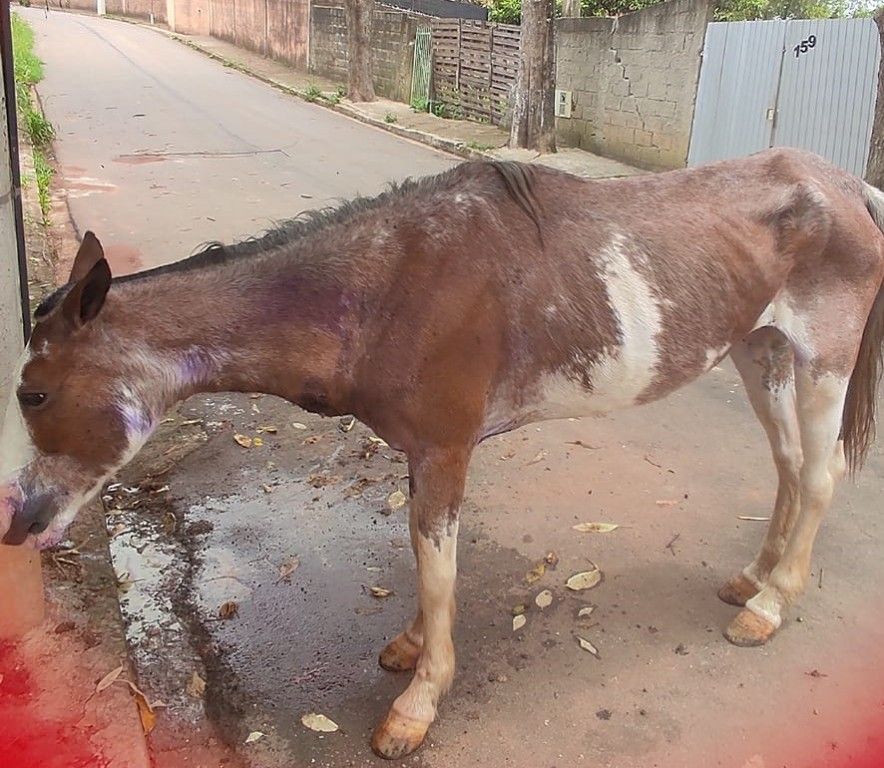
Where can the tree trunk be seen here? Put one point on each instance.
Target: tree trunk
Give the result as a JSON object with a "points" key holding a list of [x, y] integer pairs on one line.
{"points": [[571, 8], [359, 86], [534, 123], [875, 166]]}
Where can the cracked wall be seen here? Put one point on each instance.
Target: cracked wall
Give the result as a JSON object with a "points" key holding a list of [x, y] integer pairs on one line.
{"points": [[633, 81]]}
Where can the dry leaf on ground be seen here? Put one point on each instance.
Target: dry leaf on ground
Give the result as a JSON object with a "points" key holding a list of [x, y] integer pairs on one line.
{"points": [[243, 440], [319, 723], [551, 559], [346, 423], [253, 737], [228, 610], [381, 592], [109, 679], [544, 599], [667, 502], [753, 519], [584, 580], [396, 500], [519, 622], [288, 568], [585, 611], [269, 429], [536, 573], [378, 441], [595, 527], [196, 687], [588, 646], [299, 425], [541, 455]]}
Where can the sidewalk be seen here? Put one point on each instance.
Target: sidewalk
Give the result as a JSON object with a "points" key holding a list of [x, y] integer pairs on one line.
{"points": [[460, 137]]}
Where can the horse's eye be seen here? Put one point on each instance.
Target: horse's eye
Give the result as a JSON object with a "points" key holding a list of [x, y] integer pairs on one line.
{"points": [[31, 399]]}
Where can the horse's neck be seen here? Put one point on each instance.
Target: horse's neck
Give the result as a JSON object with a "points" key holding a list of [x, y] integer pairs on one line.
{"points": [[188, 333]]}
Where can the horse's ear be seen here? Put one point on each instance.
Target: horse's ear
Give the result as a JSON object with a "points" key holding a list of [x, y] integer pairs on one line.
{"points": [[85, 300], [88, 255]]}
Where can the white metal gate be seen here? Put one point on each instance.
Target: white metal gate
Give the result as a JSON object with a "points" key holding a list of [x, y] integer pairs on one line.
{"points": [[807, 83]]}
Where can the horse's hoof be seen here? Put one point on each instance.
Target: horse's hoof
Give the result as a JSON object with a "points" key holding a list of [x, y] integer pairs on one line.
{"points": [[749, 630], [400, 654], [738, 591], [398, 736]]}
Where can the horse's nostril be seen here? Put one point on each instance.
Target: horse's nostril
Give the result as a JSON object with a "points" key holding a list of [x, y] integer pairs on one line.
{"points": [[38, 527]]}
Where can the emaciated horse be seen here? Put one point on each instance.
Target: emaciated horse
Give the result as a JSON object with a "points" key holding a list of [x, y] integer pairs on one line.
{"points": [[468, 304]]}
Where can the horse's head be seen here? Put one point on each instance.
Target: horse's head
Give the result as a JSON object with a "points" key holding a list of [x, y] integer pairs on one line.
{"points": [[65, 429]]}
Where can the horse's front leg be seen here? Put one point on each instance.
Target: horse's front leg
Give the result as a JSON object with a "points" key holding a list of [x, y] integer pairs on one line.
{"points": [[437, 489]]}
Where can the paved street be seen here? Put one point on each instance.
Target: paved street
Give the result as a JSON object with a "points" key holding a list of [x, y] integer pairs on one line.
{"points": [[160, 149]]}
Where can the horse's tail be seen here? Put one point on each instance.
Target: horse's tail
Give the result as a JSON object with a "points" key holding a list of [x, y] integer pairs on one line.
{"points": [[860, 407]]}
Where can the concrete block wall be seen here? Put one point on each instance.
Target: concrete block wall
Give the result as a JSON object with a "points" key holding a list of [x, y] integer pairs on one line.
{"points": [[634, 82], [392, 42]]}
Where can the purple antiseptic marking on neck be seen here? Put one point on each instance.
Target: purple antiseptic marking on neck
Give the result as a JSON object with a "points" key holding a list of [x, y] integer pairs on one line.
{"points": [[194, 366], [136, 420]]}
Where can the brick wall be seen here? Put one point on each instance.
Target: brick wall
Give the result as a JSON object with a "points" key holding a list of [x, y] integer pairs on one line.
{"points": [[633, 81], [392, 41]]}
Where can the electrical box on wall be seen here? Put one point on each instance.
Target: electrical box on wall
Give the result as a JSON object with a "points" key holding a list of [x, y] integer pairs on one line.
{"points": [[563, 103]]}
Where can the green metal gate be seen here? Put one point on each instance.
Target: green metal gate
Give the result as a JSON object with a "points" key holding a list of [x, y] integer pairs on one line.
{"points": [[422, 69]]}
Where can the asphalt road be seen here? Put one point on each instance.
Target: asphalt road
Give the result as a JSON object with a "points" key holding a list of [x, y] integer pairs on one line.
{"points": [[161, 149]]}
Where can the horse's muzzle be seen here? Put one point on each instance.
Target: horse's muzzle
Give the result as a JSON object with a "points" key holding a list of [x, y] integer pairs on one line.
{"points": [[24, 515]]}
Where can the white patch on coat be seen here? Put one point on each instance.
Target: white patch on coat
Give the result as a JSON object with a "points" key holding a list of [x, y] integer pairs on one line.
{"points": [[437, 573], [625, 371]]}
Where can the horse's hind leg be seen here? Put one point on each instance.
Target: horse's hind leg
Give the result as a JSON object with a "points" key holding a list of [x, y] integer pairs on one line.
{"points": [[766, 364], [402, 652], [822, 374]]}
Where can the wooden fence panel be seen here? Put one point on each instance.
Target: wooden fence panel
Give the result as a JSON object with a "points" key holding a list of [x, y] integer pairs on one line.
{"points": [[474, 67]]}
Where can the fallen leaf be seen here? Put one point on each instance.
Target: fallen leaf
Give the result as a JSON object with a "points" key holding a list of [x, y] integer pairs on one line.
{"points": [[267, 488], [519, 622], [379, 441], [117, 530], [536, 573], [346, 423], [519, 609], [228, 610], [319, 723], [245, 442], [753, 519], [396, 500], [257, 442], [584, 580], [544, 599], [551, 559], [381, 592], [541, 455], [585, 611], [588, 646], [666, 502], [196, 687], [288, 568], [256, 395], [270, 430], [109, 679], [145, 709], [299, 425], [253, 737], [191, 422], [321, 481], [595, 527]]}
